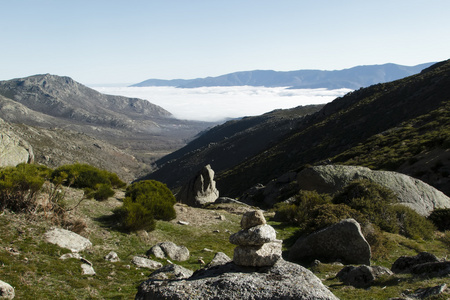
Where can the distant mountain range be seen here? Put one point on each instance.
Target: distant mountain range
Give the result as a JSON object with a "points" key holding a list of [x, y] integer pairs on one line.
{"points": [[403, 126], [353, 78]]}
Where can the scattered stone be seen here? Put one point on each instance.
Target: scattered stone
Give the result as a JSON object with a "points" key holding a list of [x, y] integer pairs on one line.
{"points": [[219, 259], [216, 231], [87, 269], [342, 242], [200, 190], [284, 280], [221, 217], [405, 263], [84, 260], [424, 293], [143, 262], [112, 257], [207, 250], [252, 218], [183, 223], [67, 239], [432, 269], [6, 291], [254, 236], [171, 272], [161, 250], [70, 255], [362, 276]]}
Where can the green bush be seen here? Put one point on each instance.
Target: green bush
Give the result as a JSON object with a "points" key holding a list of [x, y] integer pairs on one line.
{"points": [[20, 185], [145, 201], [372, 200], [97, 183], [324, 215], [298, 211], [441, 218], [411, 224]]}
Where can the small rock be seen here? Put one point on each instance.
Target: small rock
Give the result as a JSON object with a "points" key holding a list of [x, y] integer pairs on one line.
{"points": [[257, 256], [171, 272], [216, 231], [87, 269], [170, 249], [252, 218], [207, 250], [112, 257], [143, 262], [362, 276], [70, 255], [254, 236], [424, 293], [183, 223], [6, 291], [219, 259]]}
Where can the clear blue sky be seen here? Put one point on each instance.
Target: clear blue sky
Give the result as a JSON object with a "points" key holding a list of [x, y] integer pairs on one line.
{"points": [[112, 41]]}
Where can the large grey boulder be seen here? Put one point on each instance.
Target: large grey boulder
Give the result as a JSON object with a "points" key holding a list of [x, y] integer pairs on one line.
{"points": [[171, 250], [6, 291], [200, 190], [13, 149], [410, 191], [284, 280], [67, 239], [342, 241]]}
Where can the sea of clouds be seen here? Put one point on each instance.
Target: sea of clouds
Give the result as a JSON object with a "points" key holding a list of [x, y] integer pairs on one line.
{"points": [[220, 103]]}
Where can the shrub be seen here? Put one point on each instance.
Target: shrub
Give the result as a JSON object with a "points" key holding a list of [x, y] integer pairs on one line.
{"points": [[411, 224], [328, 214], [298, 211], [145, 201], [441, 218], [372, 200], [20, 185], [97, 183]]}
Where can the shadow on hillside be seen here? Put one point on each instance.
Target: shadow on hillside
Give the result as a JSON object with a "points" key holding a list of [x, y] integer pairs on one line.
{"points": [[110, 222]]}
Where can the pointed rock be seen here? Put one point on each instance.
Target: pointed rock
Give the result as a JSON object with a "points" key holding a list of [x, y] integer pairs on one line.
{"points": [[200, 190]]}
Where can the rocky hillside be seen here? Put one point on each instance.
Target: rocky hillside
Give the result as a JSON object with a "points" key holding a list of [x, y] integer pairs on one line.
{"points": [[390, 126], [353, 78], [69, 115], [229, 144]]}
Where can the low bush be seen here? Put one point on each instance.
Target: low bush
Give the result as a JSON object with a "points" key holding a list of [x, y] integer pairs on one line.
{"points": [[440, 218], [324, 215], [20, 185], [144, 202], [411, 224], [97, 183], [372, 200]]}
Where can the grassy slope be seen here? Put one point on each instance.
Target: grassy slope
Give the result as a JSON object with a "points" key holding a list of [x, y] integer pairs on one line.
{"points": [[33, 266]]}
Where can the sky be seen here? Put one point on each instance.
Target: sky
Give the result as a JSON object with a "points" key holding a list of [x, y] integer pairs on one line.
{"points": [[124, 42]]}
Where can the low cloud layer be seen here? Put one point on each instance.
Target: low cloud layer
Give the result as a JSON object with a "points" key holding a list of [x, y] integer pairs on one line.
{"points": [[220, 103]]}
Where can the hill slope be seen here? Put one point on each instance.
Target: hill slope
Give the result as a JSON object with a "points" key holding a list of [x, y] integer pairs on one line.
{"points": [[353, 78], [347, 123], [136, 126]]}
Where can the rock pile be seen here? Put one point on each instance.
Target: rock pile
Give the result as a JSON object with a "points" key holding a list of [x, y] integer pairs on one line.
{"points": [[257, 243]]}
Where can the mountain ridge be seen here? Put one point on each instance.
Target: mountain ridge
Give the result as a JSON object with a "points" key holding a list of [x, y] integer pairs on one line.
{"points": [[352, 78]]}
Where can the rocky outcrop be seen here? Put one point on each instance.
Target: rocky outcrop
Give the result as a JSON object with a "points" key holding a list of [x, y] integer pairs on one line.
{"points": [[169, 249], [257, 243], [67, 239], [171, 271], [284, 280], [6, 291], [200, 190], [13, 149], [362, 276], [343, 242], [411, 192]]}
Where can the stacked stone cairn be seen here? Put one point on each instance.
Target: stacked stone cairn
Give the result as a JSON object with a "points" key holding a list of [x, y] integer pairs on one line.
{"points": [[257, 245]]}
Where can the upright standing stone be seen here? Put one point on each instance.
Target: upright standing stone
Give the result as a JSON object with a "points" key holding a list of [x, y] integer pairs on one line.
{"points": [[200, 190]]}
